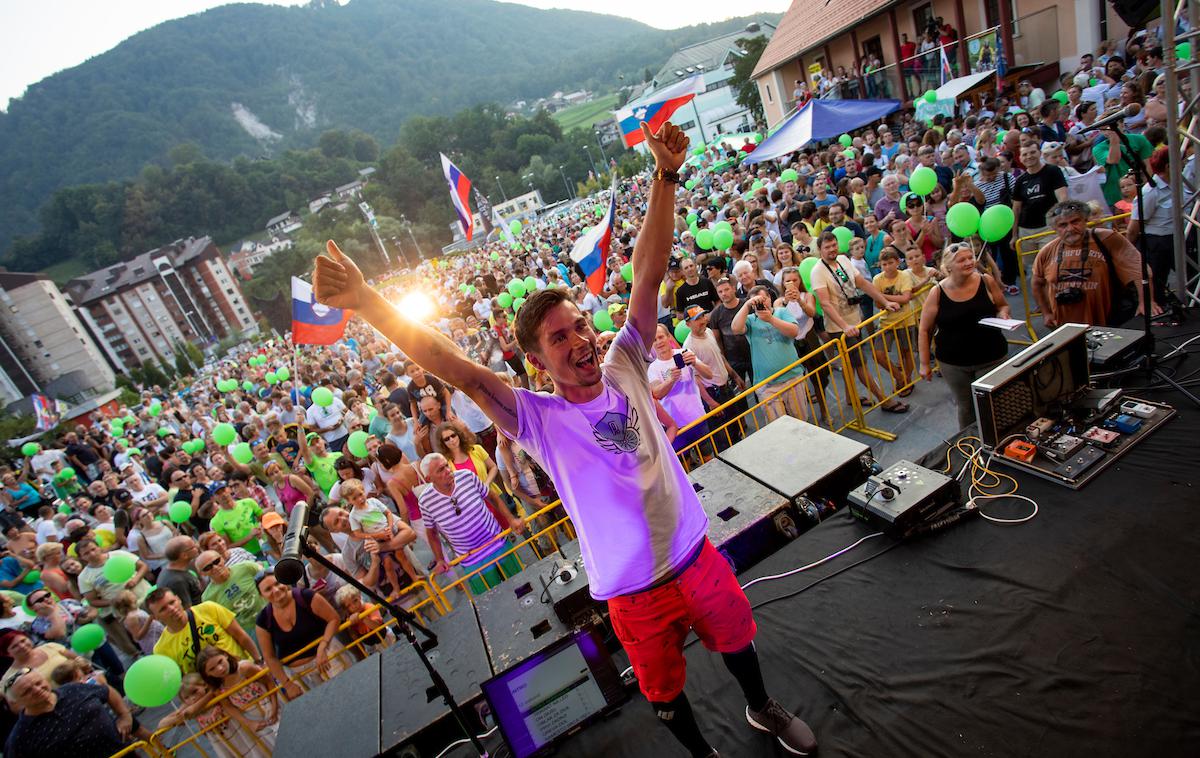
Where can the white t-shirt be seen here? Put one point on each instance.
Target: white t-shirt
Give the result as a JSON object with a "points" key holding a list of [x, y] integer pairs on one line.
{"points": [[329, 420], [149, 492], [636, 513], [709, 353], [371, 519], [48, 531], [683, 402]]}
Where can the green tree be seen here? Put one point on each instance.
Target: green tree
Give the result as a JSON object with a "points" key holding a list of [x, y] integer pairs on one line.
{"points": [[336, 144], [744, 88]]}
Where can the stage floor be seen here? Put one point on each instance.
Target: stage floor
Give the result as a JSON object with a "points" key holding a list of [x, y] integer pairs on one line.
{"points": [[1076, 633]]}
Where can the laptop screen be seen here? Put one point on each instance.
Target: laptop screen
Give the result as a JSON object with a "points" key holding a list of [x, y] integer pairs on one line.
{"points": [[546, 696]]}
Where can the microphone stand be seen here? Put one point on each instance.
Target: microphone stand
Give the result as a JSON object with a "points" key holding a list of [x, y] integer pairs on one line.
{"points": [[406, 622], [1151, 360]]}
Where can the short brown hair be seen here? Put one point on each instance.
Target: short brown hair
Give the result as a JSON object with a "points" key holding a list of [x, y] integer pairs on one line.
{"points": [[533, 313]]}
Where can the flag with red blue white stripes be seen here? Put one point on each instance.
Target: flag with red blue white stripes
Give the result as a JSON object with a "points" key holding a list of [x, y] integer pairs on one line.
{"points": [[460, 195], [591, 250], [656, 108]]}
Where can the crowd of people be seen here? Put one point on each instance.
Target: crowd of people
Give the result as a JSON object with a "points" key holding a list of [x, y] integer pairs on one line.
{"points": [[408, 476]]}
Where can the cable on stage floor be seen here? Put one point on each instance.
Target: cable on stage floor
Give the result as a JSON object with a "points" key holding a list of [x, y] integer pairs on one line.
{"points": [[466, 740]]}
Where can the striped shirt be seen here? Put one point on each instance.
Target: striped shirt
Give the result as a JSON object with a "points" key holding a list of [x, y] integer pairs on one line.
{"points": [[463, 517]]}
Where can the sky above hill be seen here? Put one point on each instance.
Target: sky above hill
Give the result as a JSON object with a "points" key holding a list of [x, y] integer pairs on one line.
{"points": [[51, 35]]}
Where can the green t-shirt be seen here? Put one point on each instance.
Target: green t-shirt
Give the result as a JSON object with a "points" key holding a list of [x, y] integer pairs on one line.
{"points": [[770, 350], [236, 523], [324, 471], [1113, 173], [238, 594]]}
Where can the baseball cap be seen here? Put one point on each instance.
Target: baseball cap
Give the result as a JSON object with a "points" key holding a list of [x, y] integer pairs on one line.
{"points": [[674, 263], [311, 436], [694, 312], [271, 518], [219, 486]]}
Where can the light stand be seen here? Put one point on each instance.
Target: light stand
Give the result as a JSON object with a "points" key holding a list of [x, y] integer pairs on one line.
{"points": [[1151, 360], [406, 622]]}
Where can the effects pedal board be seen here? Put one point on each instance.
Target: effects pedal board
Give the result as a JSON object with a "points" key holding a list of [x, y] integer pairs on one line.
{"points": [[903, 497]]}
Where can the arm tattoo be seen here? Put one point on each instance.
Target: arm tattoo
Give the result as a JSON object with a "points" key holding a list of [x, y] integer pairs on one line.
{"points": [[497, 400]]}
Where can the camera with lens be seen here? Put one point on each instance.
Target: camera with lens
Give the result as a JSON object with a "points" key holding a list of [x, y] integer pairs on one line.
{"points": [[1069, 296], [854, 299]]}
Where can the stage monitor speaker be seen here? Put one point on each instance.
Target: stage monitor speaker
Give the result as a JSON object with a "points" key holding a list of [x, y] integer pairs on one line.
{"points": [[1136, 13], [746, 521]]}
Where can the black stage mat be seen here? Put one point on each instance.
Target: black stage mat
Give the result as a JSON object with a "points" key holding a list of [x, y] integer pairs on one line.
{"points": [[1077, 633]]}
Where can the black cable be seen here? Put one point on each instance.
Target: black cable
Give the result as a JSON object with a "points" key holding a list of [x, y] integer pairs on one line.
{"points": [[812, 584]]}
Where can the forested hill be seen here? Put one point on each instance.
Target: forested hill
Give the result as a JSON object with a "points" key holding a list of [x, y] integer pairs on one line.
{"points": [[254, 80]]}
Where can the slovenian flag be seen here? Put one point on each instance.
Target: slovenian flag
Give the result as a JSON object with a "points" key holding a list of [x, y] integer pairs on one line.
{"points": [[460, 195], [947, 72], [591, 250], [313, 323], [657, 108]]}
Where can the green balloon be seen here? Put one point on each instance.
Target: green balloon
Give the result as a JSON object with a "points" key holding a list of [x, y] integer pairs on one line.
{"points": [[917, 103], [357, 444], [930, 96], [963, 219], [516, 288], [223, 434], [704, 239], [518, 303], [601, 210], [1093, 82], [1061, 97], [495, 256], [505, 300], [87, 638], [163, 431], [789, 175], [180, 511], [846, 140], [844, 235], [65, 509], [120, 566], [681, 332], [241, 453], [322, 396], [722, 239], [996, 223], [922, 181], [693, 228], [271, 378], [152, 681], [689, 183], [30, 449], [65, 473], [514, 226], [698, 150], [756, 186], [722, 226], [602, 321], [1183, 51], [692, 218], [806, 266], [530, 285], [129, 420], [248, 386], [155, 409], [627, 272], [32, 577]]}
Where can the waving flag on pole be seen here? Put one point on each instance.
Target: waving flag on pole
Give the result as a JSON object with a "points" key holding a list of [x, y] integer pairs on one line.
{"points": [[501, 226], [460, 194], [313, 323], [656, 108], [591, 250], [947, 71]]}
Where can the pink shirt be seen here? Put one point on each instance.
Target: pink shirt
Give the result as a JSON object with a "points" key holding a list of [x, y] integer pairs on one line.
{"points": [[634, 508]]}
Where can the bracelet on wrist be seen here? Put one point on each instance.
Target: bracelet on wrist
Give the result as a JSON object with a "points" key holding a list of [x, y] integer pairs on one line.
{"points": [[666, 175]]}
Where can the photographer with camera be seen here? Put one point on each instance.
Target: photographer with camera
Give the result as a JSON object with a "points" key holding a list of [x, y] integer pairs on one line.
{"points": [[1085, 275], [834, 281]]}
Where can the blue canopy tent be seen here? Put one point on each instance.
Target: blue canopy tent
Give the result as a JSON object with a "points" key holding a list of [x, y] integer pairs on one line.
{"points": [[820, 120]]}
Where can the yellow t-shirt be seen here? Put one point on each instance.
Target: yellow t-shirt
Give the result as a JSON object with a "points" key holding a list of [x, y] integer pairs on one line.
{"points": [[903, 282], [211, 622]]}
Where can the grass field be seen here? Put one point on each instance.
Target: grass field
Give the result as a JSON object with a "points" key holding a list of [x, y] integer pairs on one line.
{"points": [[586, 114], [63, 271]]}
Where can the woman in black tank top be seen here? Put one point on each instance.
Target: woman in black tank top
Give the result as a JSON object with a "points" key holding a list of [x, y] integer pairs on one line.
{"points": [[965, 349]]}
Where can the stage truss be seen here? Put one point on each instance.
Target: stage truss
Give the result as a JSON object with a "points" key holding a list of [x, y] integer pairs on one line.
{"points": [[1183, 136]]}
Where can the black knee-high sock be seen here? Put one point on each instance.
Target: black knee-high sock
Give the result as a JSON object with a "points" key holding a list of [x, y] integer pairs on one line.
{"points": [[678, 717], [744, 666]]}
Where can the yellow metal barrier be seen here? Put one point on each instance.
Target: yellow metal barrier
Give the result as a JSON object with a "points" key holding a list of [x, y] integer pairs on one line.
{"points": [[156, 745], [1025, 283], [134, 748]]}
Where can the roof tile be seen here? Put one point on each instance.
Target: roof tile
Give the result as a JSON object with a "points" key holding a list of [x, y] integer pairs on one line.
{"points": [[808, 22]]}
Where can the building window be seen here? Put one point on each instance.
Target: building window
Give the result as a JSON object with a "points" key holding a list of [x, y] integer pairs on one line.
{"points": [[716, 85], [922, 18], [687, 125], [38, 343]]}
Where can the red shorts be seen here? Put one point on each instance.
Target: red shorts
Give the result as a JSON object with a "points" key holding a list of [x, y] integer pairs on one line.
{"points": [[652, 625]]}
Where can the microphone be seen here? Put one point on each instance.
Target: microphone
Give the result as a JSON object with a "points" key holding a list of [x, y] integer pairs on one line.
{"points": [[1129, 111], [290, 569]]}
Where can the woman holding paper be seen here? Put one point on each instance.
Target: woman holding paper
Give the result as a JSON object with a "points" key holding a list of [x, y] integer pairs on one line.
{"points": [[966, 349]]}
